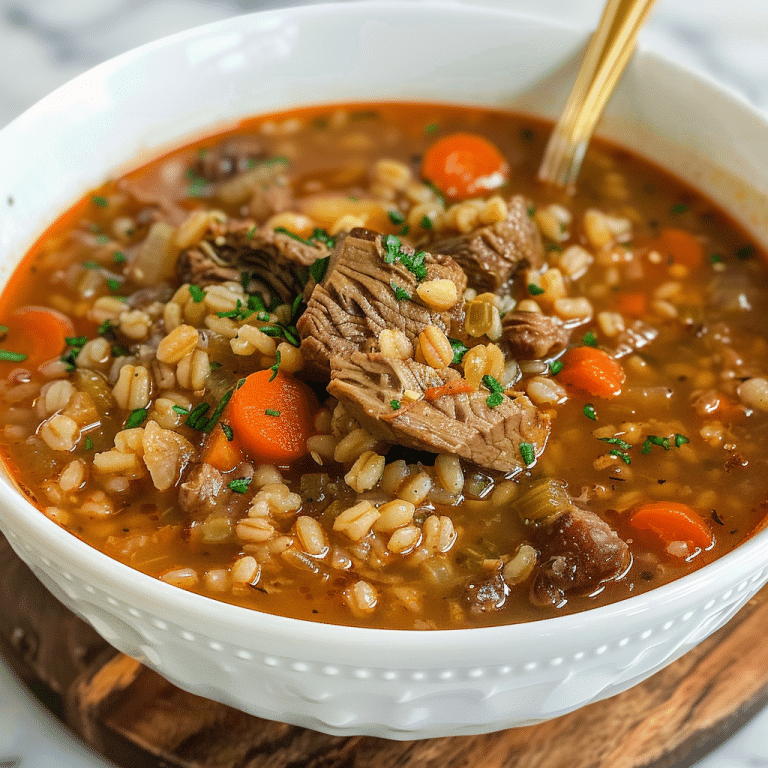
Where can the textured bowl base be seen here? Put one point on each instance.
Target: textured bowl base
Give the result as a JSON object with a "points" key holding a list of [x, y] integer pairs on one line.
{"points": [[137, 719]]}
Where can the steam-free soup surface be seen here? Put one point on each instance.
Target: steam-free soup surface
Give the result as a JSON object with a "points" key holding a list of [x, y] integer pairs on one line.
{"points": [[355, 365]]}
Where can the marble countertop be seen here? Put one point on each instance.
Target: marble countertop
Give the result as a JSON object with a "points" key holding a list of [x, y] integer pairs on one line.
{"points": [[44, 43]]}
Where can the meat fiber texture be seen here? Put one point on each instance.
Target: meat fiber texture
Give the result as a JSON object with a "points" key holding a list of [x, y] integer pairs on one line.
{"points": [[356, 300], [492, 255], [533, 336], [461, 424]]}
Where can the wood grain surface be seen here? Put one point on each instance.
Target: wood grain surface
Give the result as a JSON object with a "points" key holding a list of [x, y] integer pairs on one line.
{"points": [[138, 720]]}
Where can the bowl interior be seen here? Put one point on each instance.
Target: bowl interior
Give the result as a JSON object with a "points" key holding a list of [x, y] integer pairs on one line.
{"points": [[131, 108]]}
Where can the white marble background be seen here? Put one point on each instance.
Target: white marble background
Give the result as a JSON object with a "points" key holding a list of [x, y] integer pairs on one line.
{"points": [[44, 43]]}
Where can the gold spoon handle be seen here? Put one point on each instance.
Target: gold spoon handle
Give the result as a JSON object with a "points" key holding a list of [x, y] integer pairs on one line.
{"points": [[610, 49]]}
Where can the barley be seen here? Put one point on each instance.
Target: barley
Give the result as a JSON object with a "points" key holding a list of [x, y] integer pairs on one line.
{"points": [[365, 472], [754, 393], [449, 473], [224, 326], [222, 297], [323, 445], [181, 577], [419, 193], [439, 533], [356, 521], [250, 339], [255, 529], [192, 370], [245, 570], [311, 536], [433, 211], [361, 598], [353, 445], [575, 261], [132, 389], [529, 305], [394, 474], [56, 395], [416, 488], [266, 474], [177, 344], [323, 421], [553, 284], [519, 568], [95, 354], [664, 309], [553, 221], [135, 324], [495, 210], [395, 344], [611, 323], [543, 390], [596, 228], [404, 540], [393, 173], [172, 316], [483, 361], [291, 359], [394, 514], [439, 295], [465, 217], [73, 476], [106, 308], [117, 462], [97, 504], [579, 308], [60, 433]]}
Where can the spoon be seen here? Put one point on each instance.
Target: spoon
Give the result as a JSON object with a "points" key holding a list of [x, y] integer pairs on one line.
{"points": [[610, 49]]}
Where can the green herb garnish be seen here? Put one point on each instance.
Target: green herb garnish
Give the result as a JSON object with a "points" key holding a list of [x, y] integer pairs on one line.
{"points": [[400, 293], [396, 217], [555, 367], [680, 440], [99, 200], [459, 350], [589, 411], [180, 410], [113, 285], [88, 444], [135, 418], [528, 454], [426, 222], [589, 339], [227, 430], [276, 367], [318, 269], [196, 418], [90, 265], [271, 412], [493, 385], [211, 422], [616, 441], [494, 400], [745, 252], [197, 293], [240, 485], [535, 290], [679, 208], [119, 257], [12, 357], [394, 405], [621, 455]]}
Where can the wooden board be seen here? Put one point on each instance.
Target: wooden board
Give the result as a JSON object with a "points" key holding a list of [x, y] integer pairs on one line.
{"points": [[138, 720]]}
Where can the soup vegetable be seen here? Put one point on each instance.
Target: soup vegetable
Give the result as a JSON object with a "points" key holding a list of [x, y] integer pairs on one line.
{"points": [[354, 365]]}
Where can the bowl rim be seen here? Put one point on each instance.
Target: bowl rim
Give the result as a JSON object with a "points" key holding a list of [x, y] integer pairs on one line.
{"points": [[109, 573]]}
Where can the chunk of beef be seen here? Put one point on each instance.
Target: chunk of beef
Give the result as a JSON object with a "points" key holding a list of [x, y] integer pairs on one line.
{"points": [[206, 492], [228, 159], [488, 595], [579, 551], [274, 260], [355, 301], [532, 336], [462, 424], [493, 254]]}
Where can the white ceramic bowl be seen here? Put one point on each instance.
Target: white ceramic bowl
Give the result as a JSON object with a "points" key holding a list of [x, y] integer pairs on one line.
{"points": [[337, 679]]}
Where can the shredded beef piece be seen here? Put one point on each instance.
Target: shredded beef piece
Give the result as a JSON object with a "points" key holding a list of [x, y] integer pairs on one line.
{"points": [[532, 336], [462, 424], [203, 491], [228, 159], [579, 551], [488, 595], [355, 301], [491, 255], [274, 260]]}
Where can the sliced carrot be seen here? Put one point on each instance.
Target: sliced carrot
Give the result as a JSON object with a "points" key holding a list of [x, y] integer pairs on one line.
{"points": [[455, 387], [633, 304], [221, 453], [681, 246], [464, 165], [672, 521], [40, 333], [592, 372], [272, 420]]}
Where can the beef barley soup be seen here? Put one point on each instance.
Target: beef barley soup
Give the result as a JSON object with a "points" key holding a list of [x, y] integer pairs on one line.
{"points": [[354, 365]]}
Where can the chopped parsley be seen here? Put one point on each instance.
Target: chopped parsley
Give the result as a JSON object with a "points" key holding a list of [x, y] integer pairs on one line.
{"points": [[617, 441], [240, 485], [271, 412], [287, 332], [113, 285], [745, 252], [217, 411], [528, 454], [623, 455], [679, 208], [459, 350], [88, 444], [13, 357], [214, 365], [180, 410], [240, 312], [76, 341], [105, 328], [119, 257], [680, 440], [589, 339], [318, 236], [276, 367], [431, 128], [413, 262], [196, 418], [295, 308], [197, 293], [135, 418], [318, 269], [251, 232], [400, 293], [396, 217], [535, 290], [227, 430], [90, 265], [394, 405], [493, 385], [555, 367], [494, 400], [715, 258], [426, 222], [554, 247], [118, 351], [589, 411], [651, 440], [99, 200], [256, 303]]}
